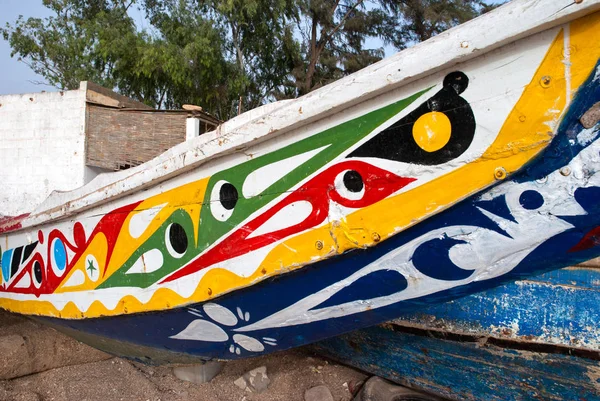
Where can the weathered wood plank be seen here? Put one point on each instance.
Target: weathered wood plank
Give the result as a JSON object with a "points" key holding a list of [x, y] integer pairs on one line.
{"points": [[100, 95], [560, 307], [466, 370]]}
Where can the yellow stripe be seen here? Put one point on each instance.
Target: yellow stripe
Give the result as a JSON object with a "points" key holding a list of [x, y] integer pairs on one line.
{"points": [[523, 136]]}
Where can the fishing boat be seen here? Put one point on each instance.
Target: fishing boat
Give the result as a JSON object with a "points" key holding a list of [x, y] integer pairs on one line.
{"points": [[460, 164]]}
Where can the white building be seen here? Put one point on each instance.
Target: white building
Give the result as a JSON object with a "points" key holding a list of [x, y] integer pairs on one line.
{"points": [[58, 141]]}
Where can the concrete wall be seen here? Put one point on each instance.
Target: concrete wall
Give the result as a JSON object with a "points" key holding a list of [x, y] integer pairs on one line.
{"points": [[42, 147]]}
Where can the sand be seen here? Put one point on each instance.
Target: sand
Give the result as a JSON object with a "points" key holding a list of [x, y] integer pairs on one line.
{"points": [[40, 364]]}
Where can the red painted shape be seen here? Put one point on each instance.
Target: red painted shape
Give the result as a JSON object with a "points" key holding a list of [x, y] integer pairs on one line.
{"points": [[79, 234], [589, 240], [11, 223], [110, 225], [378, 184], [33, 288]]}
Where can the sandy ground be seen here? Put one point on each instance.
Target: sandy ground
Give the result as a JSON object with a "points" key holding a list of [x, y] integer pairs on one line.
{"points": [[291, 374], [40, 364]]}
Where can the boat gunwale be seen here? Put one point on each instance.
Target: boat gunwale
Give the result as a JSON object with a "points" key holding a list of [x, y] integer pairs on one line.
{"points": [[470, 40]]}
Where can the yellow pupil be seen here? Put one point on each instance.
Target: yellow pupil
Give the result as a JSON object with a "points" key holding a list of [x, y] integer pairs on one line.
{"points": [[432, 131]]}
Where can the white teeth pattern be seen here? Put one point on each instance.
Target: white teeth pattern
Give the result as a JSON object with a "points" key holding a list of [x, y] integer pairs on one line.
{"points": [[140, 221], [77, 278], [262, 178], [289, 216], [149, 262], [25, 281]]}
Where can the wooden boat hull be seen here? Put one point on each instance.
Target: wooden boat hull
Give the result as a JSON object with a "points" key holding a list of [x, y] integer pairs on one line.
{"points": [[478, 174], [529, 340], [366, 287]]}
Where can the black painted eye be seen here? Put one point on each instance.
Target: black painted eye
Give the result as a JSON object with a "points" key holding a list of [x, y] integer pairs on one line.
{"points": [[223, 198], [176, 240], [37, 273], [228, 196], [350, 185], [353, 181]]}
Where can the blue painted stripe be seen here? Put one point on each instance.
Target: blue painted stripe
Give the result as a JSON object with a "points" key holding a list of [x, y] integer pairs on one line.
{"points": [[559, 308], [6, 260]]}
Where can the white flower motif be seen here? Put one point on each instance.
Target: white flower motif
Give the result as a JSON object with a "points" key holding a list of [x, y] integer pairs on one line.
{"points": [[203, 330], [248, 343]]}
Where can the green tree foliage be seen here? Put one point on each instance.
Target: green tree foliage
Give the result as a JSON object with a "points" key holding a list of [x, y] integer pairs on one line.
{"points": [[84, 40], [226, 55], [181, 60], [413, 21], [333, 34]]}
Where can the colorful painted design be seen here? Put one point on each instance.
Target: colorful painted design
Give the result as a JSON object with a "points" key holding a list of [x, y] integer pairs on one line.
{"points": [[436, 132], [358, 183], [475, 245]]}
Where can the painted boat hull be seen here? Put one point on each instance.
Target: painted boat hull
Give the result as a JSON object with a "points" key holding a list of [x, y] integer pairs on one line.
{"points": [[529, 340], [477, 175], [366, 287]]}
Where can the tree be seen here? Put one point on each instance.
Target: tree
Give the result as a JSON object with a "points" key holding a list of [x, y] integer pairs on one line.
{"points": [[182, 61], [83, 41], [332, 34], [261, 40], [96, 40], [226, 55], [413, 21]]}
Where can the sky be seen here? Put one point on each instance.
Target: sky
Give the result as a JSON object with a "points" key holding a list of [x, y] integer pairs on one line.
{"points": [[16, 77]]}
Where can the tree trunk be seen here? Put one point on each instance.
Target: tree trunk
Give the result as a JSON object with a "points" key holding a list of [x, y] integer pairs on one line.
{"points": [[240, 60], [314, 57]]}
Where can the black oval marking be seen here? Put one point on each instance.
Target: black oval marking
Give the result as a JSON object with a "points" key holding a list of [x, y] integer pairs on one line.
{"points": [[178, 238], [37, 271], [29, 250], [353, 181], [228, 196]]}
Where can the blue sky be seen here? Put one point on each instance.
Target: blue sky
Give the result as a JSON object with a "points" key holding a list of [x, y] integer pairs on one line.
{"points": [[16, 76]]}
